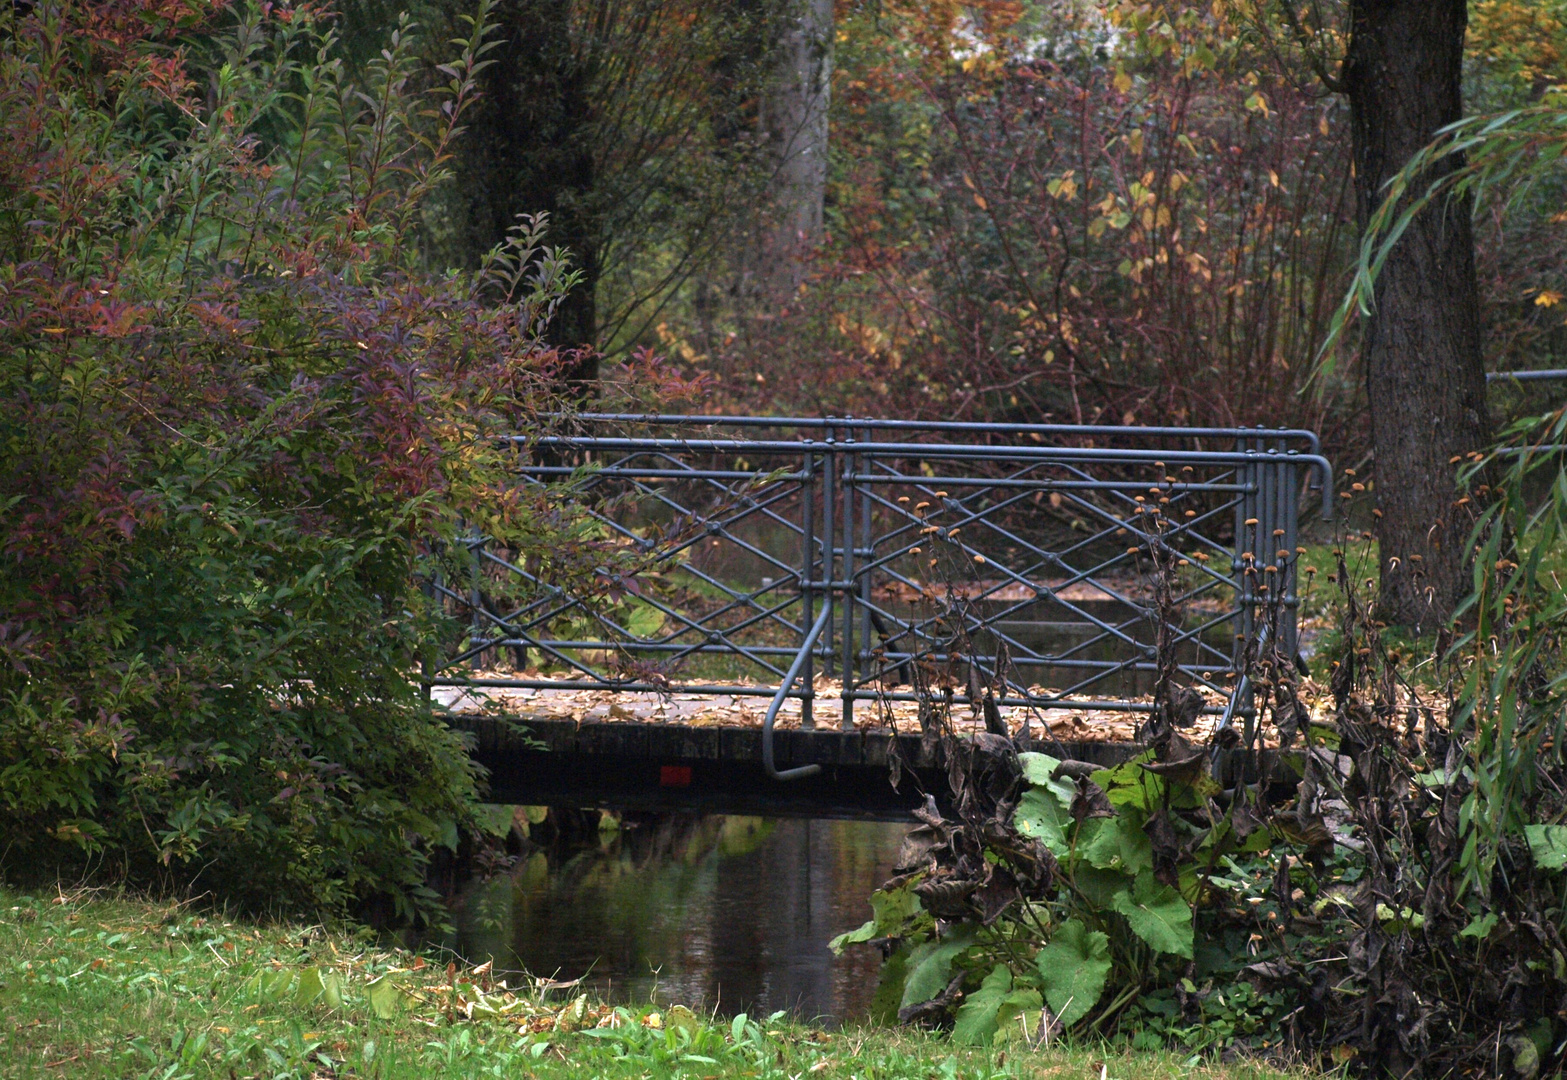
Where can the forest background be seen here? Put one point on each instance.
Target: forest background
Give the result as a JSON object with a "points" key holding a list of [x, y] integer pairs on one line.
{"points": [[1076, 212]]}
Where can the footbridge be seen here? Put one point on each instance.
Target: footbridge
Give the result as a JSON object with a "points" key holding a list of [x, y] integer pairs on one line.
{"points": [[791, 613]]}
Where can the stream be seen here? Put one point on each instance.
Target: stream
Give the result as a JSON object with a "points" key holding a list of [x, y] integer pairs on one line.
{"points": [[726, 914]]}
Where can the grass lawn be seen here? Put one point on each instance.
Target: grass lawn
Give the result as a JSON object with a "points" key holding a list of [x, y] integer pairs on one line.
{"points": [[104, 986]]}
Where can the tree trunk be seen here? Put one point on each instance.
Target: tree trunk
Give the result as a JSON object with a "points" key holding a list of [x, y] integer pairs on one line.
{"points": [[794, 117], [1425, 379], [528, 148]]}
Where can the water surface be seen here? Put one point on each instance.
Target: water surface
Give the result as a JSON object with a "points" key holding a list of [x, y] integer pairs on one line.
{"points": [[725, 913]]}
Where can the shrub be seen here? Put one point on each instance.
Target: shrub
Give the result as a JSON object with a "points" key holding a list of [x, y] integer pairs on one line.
{"points": [[237, 420]]}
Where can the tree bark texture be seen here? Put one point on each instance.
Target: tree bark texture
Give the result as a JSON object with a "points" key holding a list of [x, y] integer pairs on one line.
{"points": [[794, 118], [528, 149], [1425, 378]]}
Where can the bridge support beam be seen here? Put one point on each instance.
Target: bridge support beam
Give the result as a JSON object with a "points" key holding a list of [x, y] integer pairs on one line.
{"points": [[717, 770]]}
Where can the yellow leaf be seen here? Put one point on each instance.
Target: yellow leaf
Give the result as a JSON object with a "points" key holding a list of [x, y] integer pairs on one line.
{"points": [[1123, 82], [1548, 298], [979, 201]]}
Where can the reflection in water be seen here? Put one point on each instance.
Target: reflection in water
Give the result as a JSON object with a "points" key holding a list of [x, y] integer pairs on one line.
{"points": [[726, 912]]}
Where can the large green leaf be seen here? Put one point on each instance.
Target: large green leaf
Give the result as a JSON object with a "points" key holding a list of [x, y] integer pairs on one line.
{"points": [[386, 998], [889, 987], [976, 1021], [1116, 843], [274, 984], [1100, 887], [311, 986], [1158, 915], [930, 966], [494, 818], [865, 932], [1129, 785], [1040, 815], [892, 908], [332, 989], [1018, 1017], [644, 621], [1039, 770], [1548, 845], [1073, 969]]}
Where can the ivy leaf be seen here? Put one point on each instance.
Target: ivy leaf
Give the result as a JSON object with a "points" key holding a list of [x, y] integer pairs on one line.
{"points": [[1073, 969], [976, 1020], [1158, 915], [930, 965], [1548, 845]]}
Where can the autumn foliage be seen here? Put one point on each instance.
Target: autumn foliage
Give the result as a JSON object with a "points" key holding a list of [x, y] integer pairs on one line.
{"points": [[238, 420]]}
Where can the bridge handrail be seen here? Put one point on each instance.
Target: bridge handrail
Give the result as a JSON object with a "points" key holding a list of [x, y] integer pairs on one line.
{"points": [[818, 423], [826, 487], [1044, 454]]}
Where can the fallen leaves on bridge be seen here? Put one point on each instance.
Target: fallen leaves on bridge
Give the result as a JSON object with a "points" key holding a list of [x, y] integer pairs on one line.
{"points": [[1077, 722]]}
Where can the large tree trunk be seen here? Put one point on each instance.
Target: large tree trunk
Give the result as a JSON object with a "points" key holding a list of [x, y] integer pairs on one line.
{"points": [[1424, 376], [794, 116], [528, 149]]}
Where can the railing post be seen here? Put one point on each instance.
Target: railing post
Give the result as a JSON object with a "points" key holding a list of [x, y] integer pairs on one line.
{"points": [[850, 460], [808, 584], [1289, 610], [431, 588], [476, 636], [867, 556], [829, 542], [1248, 523], [1265, 564]]}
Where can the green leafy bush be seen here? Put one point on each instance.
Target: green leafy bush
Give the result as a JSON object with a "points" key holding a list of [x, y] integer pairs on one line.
{"points": [[238, 419], [1129, 859]]}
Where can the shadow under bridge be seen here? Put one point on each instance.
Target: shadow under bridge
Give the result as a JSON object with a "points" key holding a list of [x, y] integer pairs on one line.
{"points": [[800, 607]]}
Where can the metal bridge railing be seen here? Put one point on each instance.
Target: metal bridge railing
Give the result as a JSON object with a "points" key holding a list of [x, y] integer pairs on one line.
{"points": [[897, 559]]}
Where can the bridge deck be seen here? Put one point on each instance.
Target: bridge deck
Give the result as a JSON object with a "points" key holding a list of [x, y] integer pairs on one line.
{"points": [[680, 706]]}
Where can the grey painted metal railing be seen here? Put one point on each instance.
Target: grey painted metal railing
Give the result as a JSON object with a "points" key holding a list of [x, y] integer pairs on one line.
{"points": [[901, 561], [1543, 375]]}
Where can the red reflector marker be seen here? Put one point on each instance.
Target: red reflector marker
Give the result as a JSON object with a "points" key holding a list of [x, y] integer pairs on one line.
{"points": [[674, 776]]}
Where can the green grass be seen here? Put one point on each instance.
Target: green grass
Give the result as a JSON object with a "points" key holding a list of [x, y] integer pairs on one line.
{"points": [[1320, 605], [93, 985]]}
